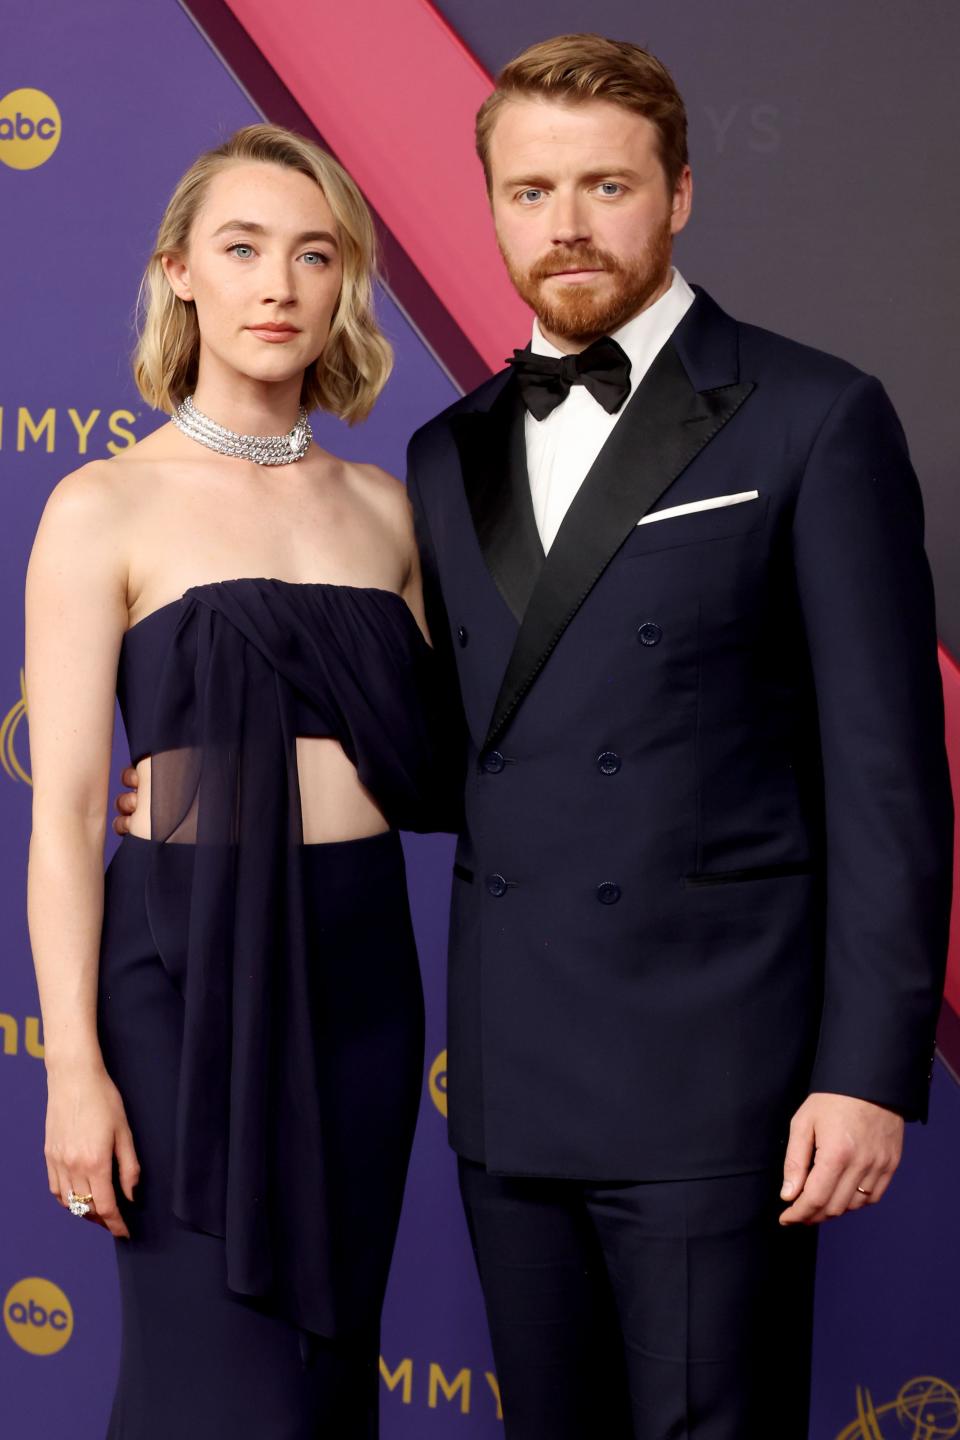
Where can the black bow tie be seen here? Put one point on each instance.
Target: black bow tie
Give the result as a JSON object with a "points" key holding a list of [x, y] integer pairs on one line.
{"points": [[604, 368]]}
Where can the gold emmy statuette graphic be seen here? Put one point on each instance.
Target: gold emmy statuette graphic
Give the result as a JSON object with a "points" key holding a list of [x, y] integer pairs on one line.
{"points": [[438, 1082], [8, 731], [38, 1316], [925, 1409], [30, 128]]}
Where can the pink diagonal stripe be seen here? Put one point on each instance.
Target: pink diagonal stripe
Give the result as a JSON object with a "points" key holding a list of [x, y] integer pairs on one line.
{"points": [[394, 91]]}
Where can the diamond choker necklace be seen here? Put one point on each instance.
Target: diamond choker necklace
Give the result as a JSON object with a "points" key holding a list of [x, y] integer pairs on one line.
{"points": [[262, 449]]}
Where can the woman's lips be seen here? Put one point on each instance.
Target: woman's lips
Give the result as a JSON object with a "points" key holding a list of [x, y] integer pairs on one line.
{"points": [[275, 337]]}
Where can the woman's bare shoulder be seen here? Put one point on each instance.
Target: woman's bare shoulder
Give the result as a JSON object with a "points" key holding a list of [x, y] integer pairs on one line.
{"points": [[384, 492], [79, 552], [90, 494], [109, 485]]}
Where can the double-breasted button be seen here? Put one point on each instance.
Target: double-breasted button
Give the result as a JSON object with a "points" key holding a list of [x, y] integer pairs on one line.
{"points": [[463, 635], [608, 762], [493, 762], [496, 885], [608, 893], [649, 633]]}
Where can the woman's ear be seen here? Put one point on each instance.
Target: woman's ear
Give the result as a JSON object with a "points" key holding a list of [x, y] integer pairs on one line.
{"points": [[178, 275]]}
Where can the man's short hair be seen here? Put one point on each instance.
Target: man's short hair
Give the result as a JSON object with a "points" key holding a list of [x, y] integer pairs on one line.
{"points": [[576, 68]]}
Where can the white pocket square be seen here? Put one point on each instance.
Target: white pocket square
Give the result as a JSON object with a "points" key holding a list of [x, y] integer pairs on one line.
{"points": [[712, 504]]}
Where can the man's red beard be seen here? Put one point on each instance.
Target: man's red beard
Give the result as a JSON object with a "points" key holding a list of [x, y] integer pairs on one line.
{"points": [[575, 311]]}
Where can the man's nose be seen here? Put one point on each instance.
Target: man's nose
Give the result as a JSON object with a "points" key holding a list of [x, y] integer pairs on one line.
{"points": [[569, 220]]}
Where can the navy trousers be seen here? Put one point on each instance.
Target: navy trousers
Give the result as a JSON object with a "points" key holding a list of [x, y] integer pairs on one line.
{"points": [[657, 1311]]}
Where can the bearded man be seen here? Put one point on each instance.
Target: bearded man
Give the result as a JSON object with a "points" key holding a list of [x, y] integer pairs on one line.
{"points": [[701, 894]]}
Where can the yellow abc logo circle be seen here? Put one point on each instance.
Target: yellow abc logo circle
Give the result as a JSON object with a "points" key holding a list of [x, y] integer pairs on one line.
{"points": [[38, 1316], [29, 129], [438, 1082]]}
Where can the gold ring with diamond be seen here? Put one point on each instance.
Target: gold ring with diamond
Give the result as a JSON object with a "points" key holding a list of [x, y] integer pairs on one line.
{"points": [[78, 1204]]}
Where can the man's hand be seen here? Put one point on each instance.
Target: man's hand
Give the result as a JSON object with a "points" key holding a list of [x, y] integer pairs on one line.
{"points": [[126, 804], [841, 1156]]}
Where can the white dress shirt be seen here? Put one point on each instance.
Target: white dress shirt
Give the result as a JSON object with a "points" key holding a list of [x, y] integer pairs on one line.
{"points": [[562, 448]]}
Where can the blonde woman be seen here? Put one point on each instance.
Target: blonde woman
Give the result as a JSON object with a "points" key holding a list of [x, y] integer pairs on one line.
{"points": [[233, 1022]]}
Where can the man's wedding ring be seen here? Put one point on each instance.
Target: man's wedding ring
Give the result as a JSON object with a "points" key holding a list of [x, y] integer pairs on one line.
{"points": [[861, 1191], [79, 1204]]}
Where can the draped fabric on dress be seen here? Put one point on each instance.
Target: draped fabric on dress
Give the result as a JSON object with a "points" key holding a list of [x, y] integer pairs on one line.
{"points": [[251, 665]]}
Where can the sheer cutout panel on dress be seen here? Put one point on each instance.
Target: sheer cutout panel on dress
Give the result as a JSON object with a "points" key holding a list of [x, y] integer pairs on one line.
{"points": [[332, 803]]}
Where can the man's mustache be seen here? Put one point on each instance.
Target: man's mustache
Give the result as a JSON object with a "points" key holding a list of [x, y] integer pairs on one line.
{"points": [[582, 259]]}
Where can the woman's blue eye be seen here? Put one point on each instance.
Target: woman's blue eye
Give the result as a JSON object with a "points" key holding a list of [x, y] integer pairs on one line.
{"points": [[315, 258]]}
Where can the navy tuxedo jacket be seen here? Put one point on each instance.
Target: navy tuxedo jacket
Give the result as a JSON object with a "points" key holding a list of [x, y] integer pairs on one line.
{"points": [[705, 861]]}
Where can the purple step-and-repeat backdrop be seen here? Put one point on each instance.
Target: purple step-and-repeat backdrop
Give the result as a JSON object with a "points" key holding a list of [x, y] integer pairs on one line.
{"points": [[828, 195]]}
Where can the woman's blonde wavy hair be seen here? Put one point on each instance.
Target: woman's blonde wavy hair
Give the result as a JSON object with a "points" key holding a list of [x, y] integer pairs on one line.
{"points": [[357, 358]]}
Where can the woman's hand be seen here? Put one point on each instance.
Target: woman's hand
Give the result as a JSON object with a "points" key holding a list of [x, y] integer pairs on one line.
{"points": [[126, 803], [86, 1127]]}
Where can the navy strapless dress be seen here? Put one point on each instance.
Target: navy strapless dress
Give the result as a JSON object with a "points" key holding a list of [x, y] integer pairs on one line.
{"points": [[260, 1007]]}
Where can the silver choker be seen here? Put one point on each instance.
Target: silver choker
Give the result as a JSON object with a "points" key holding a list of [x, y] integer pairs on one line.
{"points": [[262, 449]]}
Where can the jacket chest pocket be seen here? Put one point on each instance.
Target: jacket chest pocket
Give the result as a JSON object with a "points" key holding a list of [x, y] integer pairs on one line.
{"points": [[673, 526]]}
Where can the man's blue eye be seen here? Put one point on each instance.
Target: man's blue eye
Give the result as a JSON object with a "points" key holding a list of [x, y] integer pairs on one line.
{"points": [[610, 185], [525, 193]]}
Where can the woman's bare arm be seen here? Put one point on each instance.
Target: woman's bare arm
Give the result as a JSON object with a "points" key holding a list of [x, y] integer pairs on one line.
{"points": [[76, 614], [394, 508], [413, 589]]}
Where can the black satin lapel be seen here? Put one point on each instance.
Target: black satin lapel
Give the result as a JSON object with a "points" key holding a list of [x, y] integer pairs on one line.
{"points": [[493, 459], [665, 425]]}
